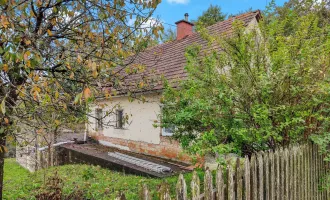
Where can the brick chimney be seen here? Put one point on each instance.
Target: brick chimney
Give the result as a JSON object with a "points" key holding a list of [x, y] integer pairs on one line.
{"points": [[184, 28]]}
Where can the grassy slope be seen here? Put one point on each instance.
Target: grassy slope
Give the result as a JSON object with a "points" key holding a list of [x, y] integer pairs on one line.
{"points": [[98, 183]]}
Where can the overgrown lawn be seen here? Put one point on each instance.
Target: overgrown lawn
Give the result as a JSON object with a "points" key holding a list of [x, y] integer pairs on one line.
{"points": [[94, 181]]}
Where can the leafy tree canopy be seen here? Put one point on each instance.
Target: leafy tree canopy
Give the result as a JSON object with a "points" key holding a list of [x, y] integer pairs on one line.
{"points": [[57, 56], [168, 35], [269, 87], [211, 16]]}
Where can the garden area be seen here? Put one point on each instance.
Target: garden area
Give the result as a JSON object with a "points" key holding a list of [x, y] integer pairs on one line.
{"points": [[92, 182]]}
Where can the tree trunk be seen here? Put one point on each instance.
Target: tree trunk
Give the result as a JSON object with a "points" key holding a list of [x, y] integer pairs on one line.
{"points": [[2, 162]]}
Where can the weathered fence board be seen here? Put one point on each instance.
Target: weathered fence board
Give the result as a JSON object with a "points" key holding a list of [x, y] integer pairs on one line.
{"points": [[164, 192], [231, 186], [247, 179], [145, 194], [208, 185], [181, 189], [239, 180], [195, 186]]}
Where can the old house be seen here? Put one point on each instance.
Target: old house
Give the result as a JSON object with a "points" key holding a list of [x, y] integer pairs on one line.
{"points": [[168, 59]]}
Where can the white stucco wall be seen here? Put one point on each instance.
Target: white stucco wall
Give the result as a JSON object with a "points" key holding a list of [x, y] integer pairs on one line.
{"points": [[142, 116]]}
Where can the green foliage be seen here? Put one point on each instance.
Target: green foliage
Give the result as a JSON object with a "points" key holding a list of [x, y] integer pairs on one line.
{"points": [[168, 35], [57, 56], [268, 88], [102, 184], [211, 16]]}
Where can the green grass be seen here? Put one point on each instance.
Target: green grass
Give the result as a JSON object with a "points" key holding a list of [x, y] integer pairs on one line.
{"points": [[96, 182]]}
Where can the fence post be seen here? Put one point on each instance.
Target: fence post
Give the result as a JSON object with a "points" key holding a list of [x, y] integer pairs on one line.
{"points": [[247, 178], [277, 176], [145, 194], [195, 186], [299, 182], [181, 189], [231, 183], [282, 170], [309, 172], [254, 178], [272, 175], [220, 185], [266, 174], [208, 185], [305, 172], [239, 181], [164, 192], [260, 176], [286, 170]]}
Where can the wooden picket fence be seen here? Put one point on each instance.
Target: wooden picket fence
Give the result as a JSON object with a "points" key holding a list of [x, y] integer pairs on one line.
{"points": [[291, 173]]}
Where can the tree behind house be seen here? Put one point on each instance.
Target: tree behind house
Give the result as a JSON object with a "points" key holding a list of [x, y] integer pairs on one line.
{"points": [[211, 16]]}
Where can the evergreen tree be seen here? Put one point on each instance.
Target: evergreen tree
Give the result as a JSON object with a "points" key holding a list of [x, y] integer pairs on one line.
{"points": [[211, 16]]}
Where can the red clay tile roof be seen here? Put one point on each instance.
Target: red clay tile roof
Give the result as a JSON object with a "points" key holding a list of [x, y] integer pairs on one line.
{"points": [[169, 60]]}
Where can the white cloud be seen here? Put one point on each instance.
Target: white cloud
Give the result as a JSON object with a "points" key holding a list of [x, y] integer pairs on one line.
{"points": [[151, 22], [178, 1]]}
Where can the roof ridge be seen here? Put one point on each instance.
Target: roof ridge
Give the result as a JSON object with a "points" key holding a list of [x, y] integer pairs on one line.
{"points": [[162, 45], [257, 12]]}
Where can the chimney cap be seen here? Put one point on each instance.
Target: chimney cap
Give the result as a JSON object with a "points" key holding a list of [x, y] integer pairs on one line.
{"points": [[186, 15]]}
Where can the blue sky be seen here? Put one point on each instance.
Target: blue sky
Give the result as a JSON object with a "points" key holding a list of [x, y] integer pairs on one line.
{"points": [[170, 11]]}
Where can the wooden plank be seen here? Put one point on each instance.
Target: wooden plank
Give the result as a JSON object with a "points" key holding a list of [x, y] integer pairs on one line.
{"points": [[195, 186], [247, 179], [164, 192], [145, 194], [181, 188], [254, 183], [272, 175], [314, 173], [299, 183], [291, 176], [319, 173], [304, 171], [260, 176], [267, 175], [323, 175], [231, 183], [295, 170], [208, 185], [309, 181], [239, 180], [277, 176], [316, 177], [282, 172], [286, 171]]}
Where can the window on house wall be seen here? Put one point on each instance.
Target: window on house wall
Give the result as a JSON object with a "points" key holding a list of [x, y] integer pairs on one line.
{"points": [[167, 131], [98, 116], [119, 118]]}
